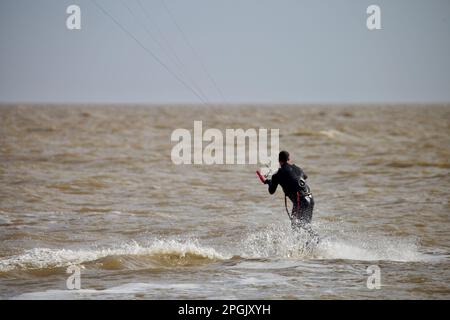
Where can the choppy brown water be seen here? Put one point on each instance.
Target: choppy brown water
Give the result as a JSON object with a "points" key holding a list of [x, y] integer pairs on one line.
{"points": [[94, 186]]}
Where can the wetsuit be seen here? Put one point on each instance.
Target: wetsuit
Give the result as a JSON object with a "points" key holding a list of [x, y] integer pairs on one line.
{"points": [[292, 180]]}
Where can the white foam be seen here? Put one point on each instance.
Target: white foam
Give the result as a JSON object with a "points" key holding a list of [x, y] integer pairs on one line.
{"points": [[275, 242], [125, 291], [380, 249], [281, 242], [40, 258]]}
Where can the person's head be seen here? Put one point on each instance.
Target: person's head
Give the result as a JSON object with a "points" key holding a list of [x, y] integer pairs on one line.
{"points": [[283, 157]]}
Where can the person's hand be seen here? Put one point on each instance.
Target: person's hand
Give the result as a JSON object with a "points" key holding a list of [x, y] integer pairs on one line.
{"points": [[261, 177]]}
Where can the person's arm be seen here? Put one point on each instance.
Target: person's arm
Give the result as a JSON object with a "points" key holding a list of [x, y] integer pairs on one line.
{"points": [[273, 183], [302, 173]]}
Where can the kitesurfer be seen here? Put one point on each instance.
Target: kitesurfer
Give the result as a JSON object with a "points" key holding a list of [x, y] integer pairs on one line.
{"points": [[293, 182]]}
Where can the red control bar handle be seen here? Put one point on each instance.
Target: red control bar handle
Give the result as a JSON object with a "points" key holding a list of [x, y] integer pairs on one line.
{"points": [[260, 176]]}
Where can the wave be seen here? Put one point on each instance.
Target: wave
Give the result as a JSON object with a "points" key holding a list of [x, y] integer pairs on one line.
{"points": [[281, 242], [404, 164], [409, 164], [332, 134], [159, 252], [274, 242], [127, 291]]}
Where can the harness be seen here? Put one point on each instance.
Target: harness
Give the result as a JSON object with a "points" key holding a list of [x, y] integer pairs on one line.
{"points": [[305, 191]]}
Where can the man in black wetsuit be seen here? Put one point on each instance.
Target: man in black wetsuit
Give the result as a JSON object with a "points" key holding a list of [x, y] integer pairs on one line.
{"points": [[292, 180]]}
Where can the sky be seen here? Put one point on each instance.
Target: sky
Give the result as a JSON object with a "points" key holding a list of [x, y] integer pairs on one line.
{"points": [[225, 51]]}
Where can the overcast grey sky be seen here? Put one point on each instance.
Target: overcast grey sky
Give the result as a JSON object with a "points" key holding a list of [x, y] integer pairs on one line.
{"points": [[255, 50]]}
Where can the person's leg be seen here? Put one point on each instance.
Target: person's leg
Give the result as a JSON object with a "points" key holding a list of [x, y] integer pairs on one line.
{"points": [[304, 216], [302, 210], [307, 207], [295, 216], [301, 216]]}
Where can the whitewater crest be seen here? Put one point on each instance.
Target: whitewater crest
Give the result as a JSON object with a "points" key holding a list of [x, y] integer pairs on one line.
{"points": [[158, 250], [274, 242], [279, 241]]}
